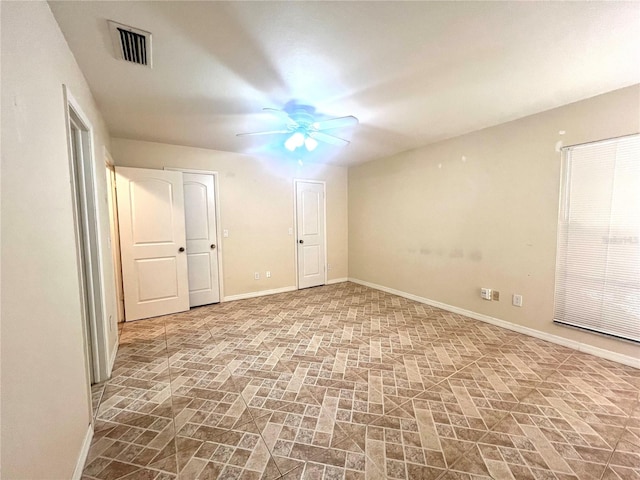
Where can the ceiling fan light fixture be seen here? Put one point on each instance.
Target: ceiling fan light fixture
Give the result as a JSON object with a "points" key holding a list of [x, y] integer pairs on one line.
{"points": [[298, 139], [310, 144], [290, 145], [294, 141]]}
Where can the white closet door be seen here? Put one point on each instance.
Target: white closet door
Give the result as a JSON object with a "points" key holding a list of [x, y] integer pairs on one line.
{"points": [[152, 242], [310, 229], [202, 257]]}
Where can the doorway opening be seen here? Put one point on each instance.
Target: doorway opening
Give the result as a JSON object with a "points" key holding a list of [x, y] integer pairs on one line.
{"points": [[83, 188]]}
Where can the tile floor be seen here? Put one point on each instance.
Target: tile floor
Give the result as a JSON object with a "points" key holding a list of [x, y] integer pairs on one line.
{"points": [[347, 382]]}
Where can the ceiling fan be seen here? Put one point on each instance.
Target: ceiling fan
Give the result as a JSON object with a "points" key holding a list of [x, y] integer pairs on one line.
{"points": [[305, 129]]}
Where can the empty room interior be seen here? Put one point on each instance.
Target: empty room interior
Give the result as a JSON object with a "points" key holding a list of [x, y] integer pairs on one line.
{"points": [[320, 240]]}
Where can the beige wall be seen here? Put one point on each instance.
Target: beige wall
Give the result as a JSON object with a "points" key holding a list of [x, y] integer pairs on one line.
{"points": [[45, 398], [256, 207], [480, 210]]}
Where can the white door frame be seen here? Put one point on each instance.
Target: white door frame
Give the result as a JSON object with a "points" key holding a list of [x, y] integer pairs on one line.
{"points": [[85, 202], [295, 223], [218, 222], [114, 230]]}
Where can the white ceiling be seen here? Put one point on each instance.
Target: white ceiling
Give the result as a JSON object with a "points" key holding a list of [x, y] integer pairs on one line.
{"points": [[413, 73]]}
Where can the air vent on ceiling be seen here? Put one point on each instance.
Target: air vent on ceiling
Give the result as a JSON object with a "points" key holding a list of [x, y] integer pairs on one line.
{"points": [[131, 44]]}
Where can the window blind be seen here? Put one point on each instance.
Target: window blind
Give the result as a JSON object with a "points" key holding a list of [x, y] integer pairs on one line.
{"points": [[598, 256]]}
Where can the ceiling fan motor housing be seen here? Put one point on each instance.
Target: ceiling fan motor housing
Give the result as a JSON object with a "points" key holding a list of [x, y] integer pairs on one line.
{"points": [[303, 118]]}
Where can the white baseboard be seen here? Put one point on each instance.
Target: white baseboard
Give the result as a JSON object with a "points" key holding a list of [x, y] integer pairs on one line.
{"points": [[598, 352], [261, 293], [84, 452]]}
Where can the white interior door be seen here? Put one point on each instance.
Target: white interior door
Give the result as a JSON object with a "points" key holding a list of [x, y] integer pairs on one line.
{"points": [[310, 229], [202, 256], [152, 242]]}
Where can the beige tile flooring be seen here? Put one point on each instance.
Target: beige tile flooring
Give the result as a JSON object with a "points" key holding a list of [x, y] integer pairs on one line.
{"points": [[344, 381]]}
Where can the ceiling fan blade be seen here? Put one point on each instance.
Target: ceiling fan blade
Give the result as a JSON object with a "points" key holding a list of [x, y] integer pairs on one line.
{"points": [[270, 132], [282, 115], [339, 122], [277, 112], [325, 137]]}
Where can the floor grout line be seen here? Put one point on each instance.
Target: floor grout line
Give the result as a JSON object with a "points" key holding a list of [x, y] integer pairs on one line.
{"points": [[253, 420], [94, 415], [173, 414]]}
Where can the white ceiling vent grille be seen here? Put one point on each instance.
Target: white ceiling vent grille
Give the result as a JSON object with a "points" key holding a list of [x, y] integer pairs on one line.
{"points": [[131, 44]]}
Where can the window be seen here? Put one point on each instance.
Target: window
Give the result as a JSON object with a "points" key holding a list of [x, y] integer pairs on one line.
{"points": [[598, 262]]}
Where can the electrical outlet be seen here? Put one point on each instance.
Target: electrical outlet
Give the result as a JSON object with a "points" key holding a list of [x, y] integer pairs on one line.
{"points": [[328, 267], [256, 276], [517, 300], [485, 293], [495, 295], [290, 231], [225, 233], [268, 274]]}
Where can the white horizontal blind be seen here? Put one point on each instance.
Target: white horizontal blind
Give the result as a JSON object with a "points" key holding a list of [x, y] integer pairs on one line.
{"points": [[598, 263]]}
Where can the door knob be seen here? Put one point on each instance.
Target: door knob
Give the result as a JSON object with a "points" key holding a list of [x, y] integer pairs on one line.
{"points": [[300, 241], [181, 249], [213, 245]]}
